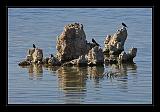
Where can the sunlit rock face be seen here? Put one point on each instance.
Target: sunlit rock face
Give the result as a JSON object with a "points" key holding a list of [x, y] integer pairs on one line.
{"points": [[34, 55], [37, 55], [115, 44], [71, 43]]}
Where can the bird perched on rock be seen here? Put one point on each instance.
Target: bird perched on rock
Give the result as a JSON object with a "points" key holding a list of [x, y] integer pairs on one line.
{"points": [[124, 25], [95, 42], [34, 46], [51, 55], [82, 26]]}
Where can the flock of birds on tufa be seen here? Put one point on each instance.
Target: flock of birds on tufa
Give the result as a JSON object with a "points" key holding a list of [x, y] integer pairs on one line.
{"points": [[51, 55]]}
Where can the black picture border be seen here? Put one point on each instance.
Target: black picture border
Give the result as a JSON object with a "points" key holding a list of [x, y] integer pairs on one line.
{"points": [[87, 107]]}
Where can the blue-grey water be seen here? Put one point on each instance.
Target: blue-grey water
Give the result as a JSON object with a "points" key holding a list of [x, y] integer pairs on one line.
{"points": [[79, 85]]}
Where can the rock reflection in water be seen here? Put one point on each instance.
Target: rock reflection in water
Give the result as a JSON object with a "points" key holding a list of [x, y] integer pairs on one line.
{"points": [[120, 73], [96, 73], [119, 70], [35, 71], [72, 80]]}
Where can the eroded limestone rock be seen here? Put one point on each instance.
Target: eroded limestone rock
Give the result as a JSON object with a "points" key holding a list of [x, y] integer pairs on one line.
{"points": [[121, 58], [72, 43], [115, 44], [73, 49], [127, 57], [94, 57], [37, 55], [34, 55]]}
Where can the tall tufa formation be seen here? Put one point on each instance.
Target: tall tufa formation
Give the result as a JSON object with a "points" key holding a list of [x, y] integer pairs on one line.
{"points": [[71, 43]]}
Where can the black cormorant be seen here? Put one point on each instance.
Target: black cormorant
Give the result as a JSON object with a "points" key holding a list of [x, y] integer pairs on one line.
{"points": [[51, 55], [34, 46], [95, 42], [124, 25], [82, 26]]}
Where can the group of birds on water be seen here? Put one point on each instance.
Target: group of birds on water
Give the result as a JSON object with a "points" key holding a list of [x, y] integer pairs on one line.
{"points": [[51, 55]]}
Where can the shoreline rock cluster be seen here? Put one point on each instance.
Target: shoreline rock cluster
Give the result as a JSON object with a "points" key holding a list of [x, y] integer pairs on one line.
{"points": [[74, 50]]}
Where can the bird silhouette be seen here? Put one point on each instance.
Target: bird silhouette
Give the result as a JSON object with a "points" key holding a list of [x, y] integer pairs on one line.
{"points": [[95, 42], [124, 25], [51, 55], [82, 26], [34, 46]]}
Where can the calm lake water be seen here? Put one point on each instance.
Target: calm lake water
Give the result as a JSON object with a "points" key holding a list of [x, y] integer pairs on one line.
{"points": [[132, 84]]}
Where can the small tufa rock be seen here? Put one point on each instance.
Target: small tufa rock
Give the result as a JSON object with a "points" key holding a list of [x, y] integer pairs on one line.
{"points": [[132, 52], [35, 55], [123, 57], [24, 63], [53, 61]]}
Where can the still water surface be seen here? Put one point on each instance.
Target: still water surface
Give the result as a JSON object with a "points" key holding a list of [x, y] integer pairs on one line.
{"points": [[130, 84]]}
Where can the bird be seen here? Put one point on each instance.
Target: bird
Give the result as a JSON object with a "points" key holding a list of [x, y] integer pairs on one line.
{"points": [[34, 46], [95, 42], [51, 55], [124, 25], [82, 26]]}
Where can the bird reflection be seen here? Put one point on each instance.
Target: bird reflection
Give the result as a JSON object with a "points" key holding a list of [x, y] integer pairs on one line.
{"points": [[120, 72], [96, 73], [35, 71]]}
